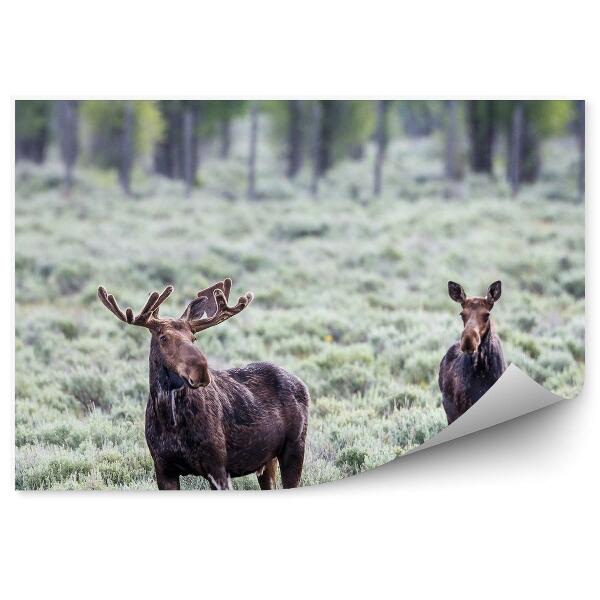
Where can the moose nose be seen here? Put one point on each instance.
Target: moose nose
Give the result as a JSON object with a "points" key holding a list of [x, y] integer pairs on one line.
{"points": [[195, 383], [469, 342], [198, 378]]}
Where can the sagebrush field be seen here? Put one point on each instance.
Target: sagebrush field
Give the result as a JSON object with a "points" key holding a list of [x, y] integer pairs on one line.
{"points": [[350, 296]]}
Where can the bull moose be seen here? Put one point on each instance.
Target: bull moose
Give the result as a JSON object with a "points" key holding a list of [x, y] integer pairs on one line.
{"points": [[472, 365], [215, 424]]}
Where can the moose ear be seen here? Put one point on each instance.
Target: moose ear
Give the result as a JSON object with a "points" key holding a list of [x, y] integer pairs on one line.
{"points": [[494, 291], [196, 309], [456, 292]]}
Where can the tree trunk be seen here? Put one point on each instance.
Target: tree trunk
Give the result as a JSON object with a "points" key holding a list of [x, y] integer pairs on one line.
{"points": [[167, 155], [251, 190], [67, 130], [381, 143], [327, 134], [453, 167], [481, 134], [294, 138], [189, 149], [175, 146], [316, 148], [523, 149], [356, 151], [127, 148], [515, 148], [161, 158], [225, 133], [530, 151], [581, 145]]}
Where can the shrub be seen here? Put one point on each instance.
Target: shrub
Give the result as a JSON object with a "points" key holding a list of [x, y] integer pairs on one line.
{"points": [[351, 460], [89, 388], [71, 278]]}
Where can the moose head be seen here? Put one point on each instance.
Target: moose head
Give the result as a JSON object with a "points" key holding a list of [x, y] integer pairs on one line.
{"points": [[475, 314], [174, 338]]}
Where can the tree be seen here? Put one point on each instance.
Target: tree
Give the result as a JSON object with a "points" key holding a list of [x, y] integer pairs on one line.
{"points": [[330, 118], [189, 125], [121, 133], [294, 138], [168, 152], [225, 134], [224, 112], [452, 153], [316, 147], [480, 117], [190, 141], [32, 129], [290, 120], [527, 123], [580, 106], [251, 188], [344, 124], [419, 118], [515, 147], [127, 148], [381, 140], [67, 128], [523, 146]]}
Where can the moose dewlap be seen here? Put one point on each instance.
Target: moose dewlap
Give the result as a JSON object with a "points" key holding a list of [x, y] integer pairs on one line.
{"points": [[215, 424]]}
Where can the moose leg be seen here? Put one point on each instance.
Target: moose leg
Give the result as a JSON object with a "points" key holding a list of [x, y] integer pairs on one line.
{"points": [[219, 480], [266, 479], [290, 463], [165, 479]]}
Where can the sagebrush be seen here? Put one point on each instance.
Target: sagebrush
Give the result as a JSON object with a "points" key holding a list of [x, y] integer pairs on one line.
{"points": [[350, 292]]}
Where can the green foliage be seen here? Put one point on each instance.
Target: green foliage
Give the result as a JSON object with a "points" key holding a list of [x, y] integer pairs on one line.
{"points": [[351, 122], [358, 122], [550, 117], [104, 121], [32, 117], [213, 112], [350, 295]]}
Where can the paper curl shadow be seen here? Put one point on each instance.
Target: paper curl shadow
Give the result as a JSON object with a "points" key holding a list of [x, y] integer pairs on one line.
{"points": [[513, 395]]}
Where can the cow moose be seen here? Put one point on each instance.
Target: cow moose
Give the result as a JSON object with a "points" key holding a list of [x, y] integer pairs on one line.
{"points": [[215, 424], [472, 366]]}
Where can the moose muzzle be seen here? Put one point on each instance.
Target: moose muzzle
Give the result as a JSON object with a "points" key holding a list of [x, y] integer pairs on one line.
{"points": [[469, 341], [193, 367]]}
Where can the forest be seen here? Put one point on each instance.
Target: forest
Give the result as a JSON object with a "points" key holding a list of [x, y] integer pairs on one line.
{"points": [[173, 137], [345, 218]]}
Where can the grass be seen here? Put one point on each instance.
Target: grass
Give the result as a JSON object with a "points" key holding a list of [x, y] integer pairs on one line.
{"points": [[350, 296]]}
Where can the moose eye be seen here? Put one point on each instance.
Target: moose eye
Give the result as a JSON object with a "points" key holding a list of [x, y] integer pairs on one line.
{"points": [[163, 339], [486, 316]]}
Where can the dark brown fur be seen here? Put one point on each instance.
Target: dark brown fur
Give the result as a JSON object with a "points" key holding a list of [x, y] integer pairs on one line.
{"points": [[217, 424], [472, 366]]}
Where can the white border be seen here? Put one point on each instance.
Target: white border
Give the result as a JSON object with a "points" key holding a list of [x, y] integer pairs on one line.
{"points": [[510, 512]]}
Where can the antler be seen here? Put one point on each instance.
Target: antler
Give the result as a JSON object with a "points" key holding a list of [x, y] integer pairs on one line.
{"points": [[146, 317], [206, 300], [223, 311]]}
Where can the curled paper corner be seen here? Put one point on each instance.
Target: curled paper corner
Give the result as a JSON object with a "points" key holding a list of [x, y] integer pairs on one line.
{"points": [[513, 395]]}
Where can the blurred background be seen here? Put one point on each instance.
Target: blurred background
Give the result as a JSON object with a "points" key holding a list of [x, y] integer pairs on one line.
{"points": [[130, 139], [345, 218]]}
